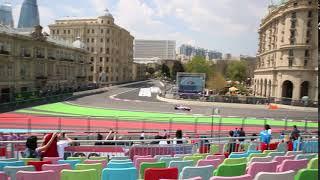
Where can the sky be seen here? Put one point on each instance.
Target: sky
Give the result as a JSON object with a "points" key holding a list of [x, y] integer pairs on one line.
{"points": [[228, 26]]}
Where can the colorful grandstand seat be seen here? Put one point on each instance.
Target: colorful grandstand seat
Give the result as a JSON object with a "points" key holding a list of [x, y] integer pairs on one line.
{"points": [[260, 159], [268, 151], [252, 147], [195, 159], [120, 160], [167, 160], [103, 162], [221, 157], [182, 155], [313, 164], [141, 160], [273, 154], [310, 147], [279, 159], [81, 159], [304, 174], [205, 162], [157, 157], [214, 148], [56, 168], [205, 172], [26, 160], [288, 175], [99, 158], [294, 153], [231, 170], [71, 162], [273, 146], [9, 159], [295, 165], [36, 175], [119, 157], [120, 165], [146, 165], [238, 155], [161, 173], [137, 156], [97, 166], [3, 176], [38, 164], [10, 163], [282, 147], [54, 160], [11, 171], [256, 155], [119, 173], [256, 167], [181, 164], [305, 156], [90, 174], [235, 160], [243, 177]]}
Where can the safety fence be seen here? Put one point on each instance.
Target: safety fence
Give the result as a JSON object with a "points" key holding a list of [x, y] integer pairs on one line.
{"points": [[153, 147]]}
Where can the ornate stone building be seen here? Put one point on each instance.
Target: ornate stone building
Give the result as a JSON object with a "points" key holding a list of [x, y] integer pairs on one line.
{"points": [[35, 62], [287, 64], [110, 46]]}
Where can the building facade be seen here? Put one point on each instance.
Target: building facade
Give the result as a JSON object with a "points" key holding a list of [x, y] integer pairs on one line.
{"points": [[162, 49], [29, 14], [36, 62], [187, 52], [287, 60], [6, 17], [139, 71], [110, 46]]}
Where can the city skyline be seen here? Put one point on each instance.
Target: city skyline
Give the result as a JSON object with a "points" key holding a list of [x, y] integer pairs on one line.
{"points": [[226, 26]]}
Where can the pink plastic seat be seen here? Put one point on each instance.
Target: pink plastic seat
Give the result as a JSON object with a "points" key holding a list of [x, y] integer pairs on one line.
{"points": [[195, 178], [295, 165], [54, 160], [243, 177], [288, 175], [256, 167], [56, 168], [135, 157], [141, 160], [3, 176], [221, 157], [103, 162], [279, 159], [36, 175], [205, 162]]}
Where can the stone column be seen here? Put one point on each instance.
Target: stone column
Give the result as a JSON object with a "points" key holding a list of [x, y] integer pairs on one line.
{"points": [[268, 89], [296, 90]]}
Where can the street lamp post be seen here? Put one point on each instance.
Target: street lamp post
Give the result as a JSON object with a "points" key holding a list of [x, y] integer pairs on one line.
{"points": [[212, 121]]}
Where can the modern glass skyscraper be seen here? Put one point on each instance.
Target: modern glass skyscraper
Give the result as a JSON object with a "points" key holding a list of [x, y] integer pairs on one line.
{"points": [[29, 14], [6, 14]]}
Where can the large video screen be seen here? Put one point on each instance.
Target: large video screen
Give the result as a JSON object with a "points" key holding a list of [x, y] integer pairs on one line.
{"points": [[190, 83]]}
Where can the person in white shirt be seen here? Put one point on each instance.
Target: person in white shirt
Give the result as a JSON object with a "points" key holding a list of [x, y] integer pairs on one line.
{"points": [[63, 142]]}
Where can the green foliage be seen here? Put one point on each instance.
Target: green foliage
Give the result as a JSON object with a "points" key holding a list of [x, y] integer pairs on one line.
{"points": [[199, 65], [151, 70], [177, 67], [216, 81], [237, 71], [165, 70]]}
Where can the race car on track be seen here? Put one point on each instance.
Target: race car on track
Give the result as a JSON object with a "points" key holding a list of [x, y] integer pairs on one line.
{"points": [[181, 107]]}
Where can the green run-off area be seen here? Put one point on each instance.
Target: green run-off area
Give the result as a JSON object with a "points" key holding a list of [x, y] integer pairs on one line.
{"points": [[69, 110]]}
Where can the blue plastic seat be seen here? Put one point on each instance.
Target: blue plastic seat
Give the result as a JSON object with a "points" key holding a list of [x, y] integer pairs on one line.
{"points": [[180, 164], [10, 163], [119, 173], [238, 155], [71, 162], [305, 156], [205, 172], [11, 171], [120, 165]]}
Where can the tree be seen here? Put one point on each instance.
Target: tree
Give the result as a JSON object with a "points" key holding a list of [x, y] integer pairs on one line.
{"points": [[216, 81], [165, 70], [199, 65], [177, 67], [237, 71], [151, 70]]}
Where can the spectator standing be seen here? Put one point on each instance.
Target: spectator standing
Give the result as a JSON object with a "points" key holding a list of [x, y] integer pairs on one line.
{"points": [[99, 138], [242, 134], [32, 151], [63, 142], [142, 135], [265, 135], [231, 145], [295, 134], [178, 136], [52, 150]]}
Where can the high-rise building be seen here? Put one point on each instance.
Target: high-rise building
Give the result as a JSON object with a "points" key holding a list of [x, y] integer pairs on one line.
{"points": [[29, 14], [162, 49], [6, 14], [110, 46], [214, 55], [186, 50], [287, 60]]}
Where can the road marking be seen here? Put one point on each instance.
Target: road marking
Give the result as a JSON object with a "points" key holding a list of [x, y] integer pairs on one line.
{"points": [[145, 92], [161, 83]]}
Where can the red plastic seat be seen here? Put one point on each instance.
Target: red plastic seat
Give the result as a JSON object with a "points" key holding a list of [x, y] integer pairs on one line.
{"points": [[161, 173], [273, 146], [3, 176], [38, 164]]}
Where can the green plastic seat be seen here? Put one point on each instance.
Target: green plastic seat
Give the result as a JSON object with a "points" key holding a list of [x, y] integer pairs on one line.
{"points": [[204, 156], [195, 159], [269, 151], [307, 174], [167, 160], [146, 165], [231, 169], [89, 174], [26, 160], [235, 160], [98, 158], [120, 160], [256, 155], [77, 158], [313, 163], [97, 166]]}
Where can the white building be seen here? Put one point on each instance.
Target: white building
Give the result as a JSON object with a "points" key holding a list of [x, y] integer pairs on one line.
{"points": [[162, 49]]}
